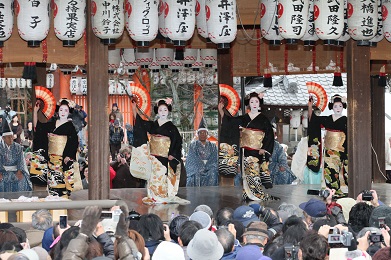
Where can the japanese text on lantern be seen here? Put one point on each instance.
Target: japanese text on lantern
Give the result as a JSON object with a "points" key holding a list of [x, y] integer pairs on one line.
{"points": [[367, 22], [333, 19], [2, 21], [72, 19], [182, 13], [34, 3], [111, 17], [225, 15], [297, 19], [145, 20]]}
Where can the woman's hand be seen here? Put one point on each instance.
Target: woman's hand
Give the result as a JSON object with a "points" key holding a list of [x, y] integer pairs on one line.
{"points": [[66, 159], [19, 175], [37, 106], [220, 107], [263, 152], [170, 157]]}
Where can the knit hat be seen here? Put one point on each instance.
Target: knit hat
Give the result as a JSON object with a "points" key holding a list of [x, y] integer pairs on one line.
{"points": [[202, 218], [346, 204], [205, 246], [315, 208], [168, 251], [249, 252], [115, 105], [381, 211], [204, 208], [245, 214]]}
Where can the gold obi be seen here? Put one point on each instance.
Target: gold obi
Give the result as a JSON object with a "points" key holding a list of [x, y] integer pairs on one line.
{"points": [[159, 145], [251, 138], [57, 144], [334, 140]]}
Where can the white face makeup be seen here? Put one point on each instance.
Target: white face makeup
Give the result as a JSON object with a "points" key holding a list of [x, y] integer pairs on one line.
{"points": [[337, 108], [162, 112], [63, 112], [254, 104]]}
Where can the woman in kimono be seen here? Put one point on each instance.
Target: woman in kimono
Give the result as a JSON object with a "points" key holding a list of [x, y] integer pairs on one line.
{"points": [[57, 142], [164, 159], [256, 145], [335, 144]]}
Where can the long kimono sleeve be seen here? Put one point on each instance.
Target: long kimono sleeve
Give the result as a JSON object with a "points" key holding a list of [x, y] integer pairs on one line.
{"points": [[314, 156], [140, 130], [230, 129], [41, 138], [268, 140], [175, 146], [72, 142]]}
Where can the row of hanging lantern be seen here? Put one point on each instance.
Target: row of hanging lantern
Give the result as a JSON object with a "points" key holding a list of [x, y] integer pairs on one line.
{"points": [[332, 21], [13, 83], [175, 20]]}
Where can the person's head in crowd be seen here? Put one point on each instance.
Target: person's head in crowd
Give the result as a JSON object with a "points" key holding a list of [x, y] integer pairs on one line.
{"points": [[126, 151], [138, 240], [293, 221], [239, 227], [134, 218], [187, 232], [128, 127], [226, 239], [202, 218], [5, 225], [289, 209], [250, 252], [11, 246], [223, 215], [382, 254], [20, 234], [168, 251], [114, 107], [256, 233], [359, 216], [313, 247], [41, 219], [245, 214], [346, 204], [19, 256], [313, 210], [381, 211], [42, 253], [7, 235], [205, 245], [116, 123], [206, 209], [373, 247], [175, 225], [321, 222], [59, 248], [29, 253], [151, 227], [294, 235], [112, 117]]}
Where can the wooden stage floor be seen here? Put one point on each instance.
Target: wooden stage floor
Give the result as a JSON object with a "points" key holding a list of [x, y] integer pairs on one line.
{"points": [[215, 197]]}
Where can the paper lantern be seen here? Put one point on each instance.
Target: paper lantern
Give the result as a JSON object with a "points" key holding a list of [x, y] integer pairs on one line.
{"points": [[7, 21], [209, 57], [362, 21], [74, 85], [22, 83], [221, 22], [202, 27], [180, 20], [345, 33], [386, 15], [33, 20], [164, 56], [269, 22], [198, 63], [292, 19], [304, 119], [144, 57], [129, 60], [142, 20], [329, 20], [380, 32], [190, 56], [108, 19], [83, 85], [162, 17], [114, 60], [69, 20], [200, 77], [50, 80], [176, 65], [112, 87], [154, 66], [310, 37], [121, 88], [295, 119]]}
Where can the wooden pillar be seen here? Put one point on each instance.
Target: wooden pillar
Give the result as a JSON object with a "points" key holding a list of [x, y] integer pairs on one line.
{"points": [[97, 101], [359, 118], [378, 131]]}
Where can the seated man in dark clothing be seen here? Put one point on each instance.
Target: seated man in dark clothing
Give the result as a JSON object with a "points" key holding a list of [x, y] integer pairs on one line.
{"points": [[123, 178]]}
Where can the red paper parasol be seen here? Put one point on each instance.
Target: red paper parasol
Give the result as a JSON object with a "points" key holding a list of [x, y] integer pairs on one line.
{"points": [[142, 96], [320, 94], [49, 102], [232, 96]]}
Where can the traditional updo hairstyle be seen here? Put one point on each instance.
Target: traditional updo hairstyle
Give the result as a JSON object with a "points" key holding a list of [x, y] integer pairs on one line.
{"points": [[251, 95], [337, 98], [161, 102], [65, 102]]}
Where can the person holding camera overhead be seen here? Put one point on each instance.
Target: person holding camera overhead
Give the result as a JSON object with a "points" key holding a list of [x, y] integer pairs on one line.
{"points": [[123, 178]]}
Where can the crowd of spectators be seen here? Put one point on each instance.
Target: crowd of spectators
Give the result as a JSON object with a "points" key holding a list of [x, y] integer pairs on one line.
{"points": [[316, 229]]}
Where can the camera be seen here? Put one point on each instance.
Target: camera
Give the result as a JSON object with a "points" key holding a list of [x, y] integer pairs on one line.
{"points": [[134, 215], [367, 195], [122, 155], [320, 193], [110, 220], [63, 221], [376, 238], [291, 252], [345, 238], [382, 222]]}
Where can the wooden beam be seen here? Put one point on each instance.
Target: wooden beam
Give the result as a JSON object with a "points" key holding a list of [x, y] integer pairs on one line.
{"points": [[97, 100], [359, 118], [378, 131]]}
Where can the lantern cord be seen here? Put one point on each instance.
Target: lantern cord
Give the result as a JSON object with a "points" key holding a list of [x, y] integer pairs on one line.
{"points": [[248, 36]]}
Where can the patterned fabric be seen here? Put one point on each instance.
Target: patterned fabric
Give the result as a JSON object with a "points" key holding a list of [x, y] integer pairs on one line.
{"points": [[201, 165], [278, 162], [13, 156], [228, 159], [335, 163], [254, 176]]}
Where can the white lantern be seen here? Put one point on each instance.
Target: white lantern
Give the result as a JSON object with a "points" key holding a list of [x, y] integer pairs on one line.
{"points": [[310, 37], [142, 20], [190, 56], [180, 21], [83, 86], [202, 27], [112, 87], [380, 32], [345, 33], [154, 66], [269, 22], [69, 20], [3, 82], [162, 17], [292, 19], [198, 63], [295, 119], [114, 60], [200, 77], [144, 57], [74, 85], [22, 83], [129, 61], [221, 22], [209, 76], [329, 20], [362, 21], [304, 119], [209, 57], [11, 83], [33, 20], [108, 19], [191, 76], [386, 15], [164, 56], [6, 21], [215, 74], [176, 65], [29, 83], [182, 76], [50, 80], [121, 89]]}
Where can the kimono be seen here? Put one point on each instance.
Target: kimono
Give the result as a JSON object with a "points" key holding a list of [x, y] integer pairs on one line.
{"points": [[335, 149], [11, 161], [255, 134], [201, 165], [152, 154], [278, 160], [51, 146]]}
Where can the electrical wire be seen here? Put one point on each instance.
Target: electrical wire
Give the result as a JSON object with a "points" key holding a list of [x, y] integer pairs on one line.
{"points": [[377, 161]]}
